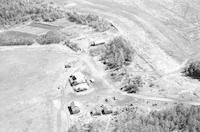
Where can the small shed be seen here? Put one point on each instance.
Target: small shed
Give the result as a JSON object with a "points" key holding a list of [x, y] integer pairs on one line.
{"points": [[106, 110]]}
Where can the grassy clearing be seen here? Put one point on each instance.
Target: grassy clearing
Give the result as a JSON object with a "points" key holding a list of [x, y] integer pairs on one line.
{"points": [[10, 38], [91, 20], [18, 11]]}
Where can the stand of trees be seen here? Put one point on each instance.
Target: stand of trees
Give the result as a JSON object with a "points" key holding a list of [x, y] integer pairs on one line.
{"points": [[177, 119], [19, 11], [51, 37], [117, 53]]}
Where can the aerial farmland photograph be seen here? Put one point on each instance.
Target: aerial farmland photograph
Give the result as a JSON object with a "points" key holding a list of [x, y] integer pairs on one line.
{"points": [[99, 65]]}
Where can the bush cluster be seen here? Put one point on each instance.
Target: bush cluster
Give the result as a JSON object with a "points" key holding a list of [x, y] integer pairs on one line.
{"points": [[132, 84], [18, 11], [193, 70], [117, 53], [51, 37], [93, 21]]}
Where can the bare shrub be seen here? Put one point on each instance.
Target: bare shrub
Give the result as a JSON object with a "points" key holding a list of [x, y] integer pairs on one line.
{"points": [[51, 37], [193, 70]]}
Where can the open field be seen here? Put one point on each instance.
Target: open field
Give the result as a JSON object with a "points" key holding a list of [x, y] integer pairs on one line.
{"points": [[28, 85]]}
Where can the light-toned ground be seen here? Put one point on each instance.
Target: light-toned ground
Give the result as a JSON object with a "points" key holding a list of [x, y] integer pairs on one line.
{"points": [[28, 83]]}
